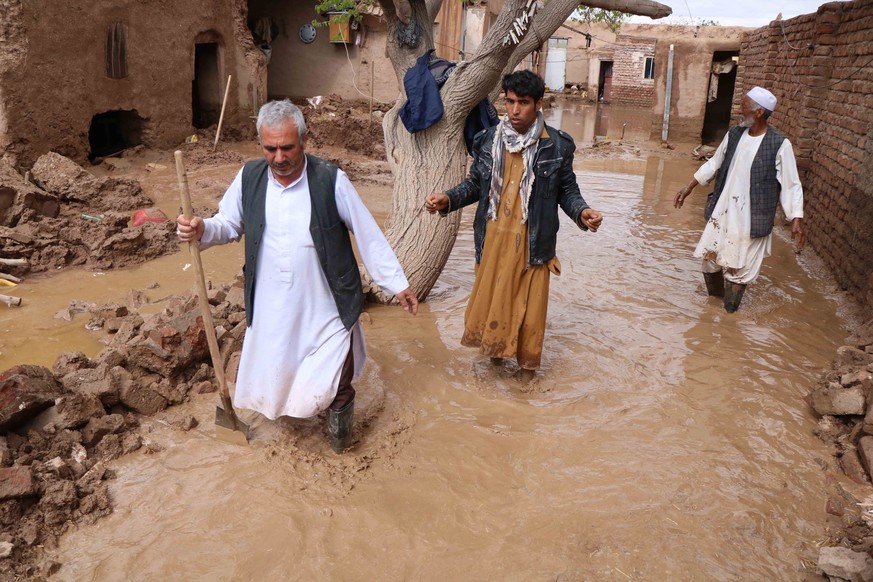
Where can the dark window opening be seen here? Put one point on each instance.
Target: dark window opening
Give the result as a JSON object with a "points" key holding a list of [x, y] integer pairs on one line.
{"points": [[205, 88], [650, 68], [116, 50], [113, 132], [604, 92]]}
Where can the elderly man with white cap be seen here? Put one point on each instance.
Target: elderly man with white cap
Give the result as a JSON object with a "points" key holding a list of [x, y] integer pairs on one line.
{"points": [[754, 170]]}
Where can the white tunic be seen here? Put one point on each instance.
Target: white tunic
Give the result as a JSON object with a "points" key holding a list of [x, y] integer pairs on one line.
{"points": [[726, 242], [294, 351]]}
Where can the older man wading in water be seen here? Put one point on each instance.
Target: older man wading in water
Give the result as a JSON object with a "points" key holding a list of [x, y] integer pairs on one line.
{"points": [[304, 344], [754, 170]]}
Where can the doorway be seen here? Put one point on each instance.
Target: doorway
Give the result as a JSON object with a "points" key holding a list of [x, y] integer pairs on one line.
{"points": [[604, 92], [112, 132], [206, 86], [720, 97]]}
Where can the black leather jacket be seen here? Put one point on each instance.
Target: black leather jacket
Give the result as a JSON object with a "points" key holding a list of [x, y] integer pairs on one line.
{"points": [[554, 184]]}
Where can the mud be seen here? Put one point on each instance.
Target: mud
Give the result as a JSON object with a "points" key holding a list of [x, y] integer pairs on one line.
{"points": [[662, 439]]}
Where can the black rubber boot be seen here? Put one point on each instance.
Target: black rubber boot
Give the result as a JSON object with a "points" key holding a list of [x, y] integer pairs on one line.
{"points": [[339, 426], [714, 284], [733, 294]]}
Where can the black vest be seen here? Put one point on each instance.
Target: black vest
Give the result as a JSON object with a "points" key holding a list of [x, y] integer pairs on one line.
{"points": [[764, 188], [330, 235]]}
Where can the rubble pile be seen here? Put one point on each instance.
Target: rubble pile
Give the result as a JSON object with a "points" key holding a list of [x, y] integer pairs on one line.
{"points": [[347, 124], [60, 215], [843, 397], [61, 426]]}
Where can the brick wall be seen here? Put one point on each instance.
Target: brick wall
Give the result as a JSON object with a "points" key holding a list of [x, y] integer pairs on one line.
{"points": [[628, 85], [820, 67]]}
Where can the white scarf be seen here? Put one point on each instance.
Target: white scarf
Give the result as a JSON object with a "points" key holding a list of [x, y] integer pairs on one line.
{"points": [[506, 138]]}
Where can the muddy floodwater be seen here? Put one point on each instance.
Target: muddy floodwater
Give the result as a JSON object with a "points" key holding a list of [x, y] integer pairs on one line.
{"points": [[663, 439]]}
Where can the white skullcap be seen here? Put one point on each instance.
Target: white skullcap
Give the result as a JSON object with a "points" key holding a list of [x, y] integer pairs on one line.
{"points": [[763, 97]]}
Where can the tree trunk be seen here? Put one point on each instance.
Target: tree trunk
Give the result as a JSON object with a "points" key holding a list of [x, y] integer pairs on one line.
{"points": [[428, 161]]}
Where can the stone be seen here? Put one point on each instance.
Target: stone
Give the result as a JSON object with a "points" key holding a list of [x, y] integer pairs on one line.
{"points": [[846, 564], [863, 336], [833, 399], [16, 481], [6, 549], [236, 297], [58, 467], [853, 378], [5, 453], [850, 463], [70, 362], [865, 453], [851, 356], [143, 399], [183, 422], [76, 410], [110, 310], [25, 391], [94, 381], [167, 345], [130, 442], [97, 428]]}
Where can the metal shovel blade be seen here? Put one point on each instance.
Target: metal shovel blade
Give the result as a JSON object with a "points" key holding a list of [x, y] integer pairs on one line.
{"points": [[237, 431]]}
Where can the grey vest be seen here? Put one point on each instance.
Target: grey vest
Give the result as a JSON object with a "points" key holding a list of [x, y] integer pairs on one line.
{"points": [[329, 234], [764, 188]]}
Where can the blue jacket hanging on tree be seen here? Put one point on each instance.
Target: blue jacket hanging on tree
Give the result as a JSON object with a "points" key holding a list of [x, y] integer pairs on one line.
{"points": [[424, 106]]}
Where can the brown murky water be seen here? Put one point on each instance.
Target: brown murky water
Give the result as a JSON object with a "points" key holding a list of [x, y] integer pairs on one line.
{"points": [[662, 440]]}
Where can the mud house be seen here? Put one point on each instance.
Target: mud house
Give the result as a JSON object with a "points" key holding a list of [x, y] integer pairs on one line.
{"points": [[631, 68], [87, 79]]}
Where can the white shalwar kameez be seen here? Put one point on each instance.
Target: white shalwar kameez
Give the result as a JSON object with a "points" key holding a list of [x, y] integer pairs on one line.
{"points": [[726, 243], [294, 351]]}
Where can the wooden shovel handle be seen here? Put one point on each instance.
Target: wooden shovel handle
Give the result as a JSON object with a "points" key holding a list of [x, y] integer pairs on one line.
{"points": [[211, 339]]}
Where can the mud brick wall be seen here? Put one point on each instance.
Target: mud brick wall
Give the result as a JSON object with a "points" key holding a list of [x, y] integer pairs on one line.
{"points": [[628, 85], [820, 67], [54, 74]]}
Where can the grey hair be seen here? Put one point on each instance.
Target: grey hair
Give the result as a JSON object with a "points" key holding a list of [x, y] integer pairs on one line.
{"points": [[757, 106], [275, 113]]}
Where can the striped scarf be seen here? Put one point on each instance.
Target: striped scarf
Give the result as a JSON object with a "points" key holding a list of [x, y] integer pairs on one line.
{"points": [[506, 138]]}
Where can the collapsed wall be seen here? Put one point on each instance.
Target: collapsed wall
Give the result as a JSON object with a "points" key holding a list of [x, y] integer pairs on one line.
{"points": [[84, 82], [818, 66]]}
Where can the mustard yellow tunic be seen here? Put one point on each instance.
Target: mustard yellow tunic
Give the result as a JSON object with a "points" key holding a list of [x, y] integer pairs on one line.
{"points": [[506, 315]]}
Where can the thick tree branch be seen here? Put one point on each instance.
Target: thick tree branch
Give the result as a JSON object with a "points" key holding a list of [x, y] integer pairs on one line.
{"points": [[639, 7], [433, 8]]}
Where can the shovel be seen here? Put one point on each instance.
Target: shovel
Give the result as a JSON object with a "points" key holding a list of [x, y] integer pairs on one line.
{"points": [[224, 417]]}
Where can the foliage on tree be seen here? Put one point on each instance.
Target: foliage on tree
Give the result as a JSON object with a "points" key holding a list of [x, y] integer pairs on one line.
{"points": [[613, 19]]}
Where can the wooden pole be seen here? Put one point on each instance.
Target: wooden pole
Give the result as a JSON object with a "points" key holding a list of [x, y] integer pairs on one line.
{"points": [[221, 117], [10, 301], [11, 278], [372, 81], [203, 297], [14, 262]]}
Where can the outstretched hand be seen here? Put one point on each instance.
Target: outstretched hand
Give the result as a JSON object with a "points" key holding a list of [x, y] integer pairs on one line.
{"points": [[591, 219], [408, 301], [684, 193]]}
